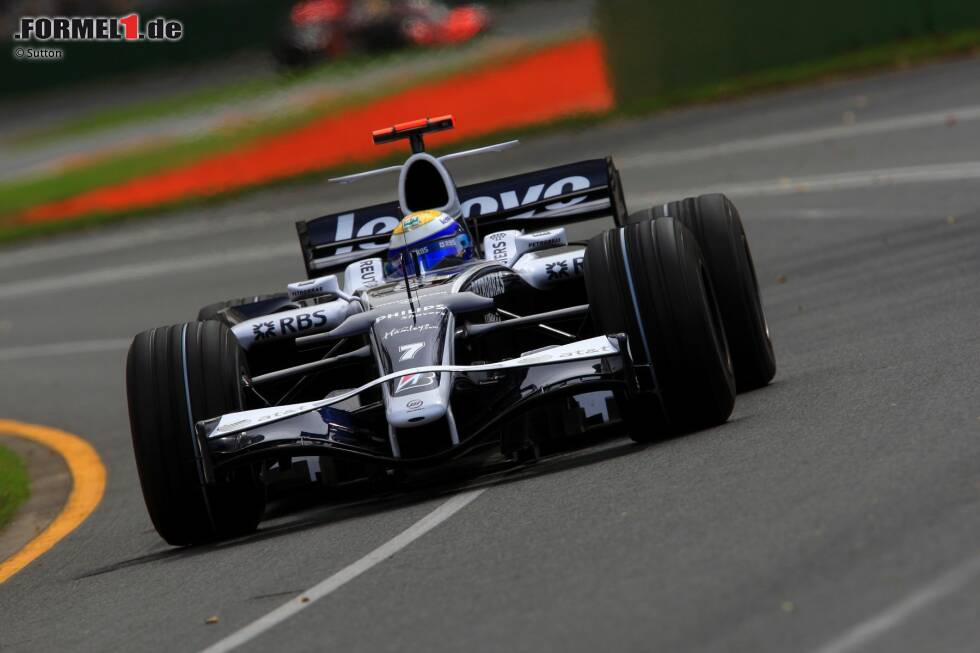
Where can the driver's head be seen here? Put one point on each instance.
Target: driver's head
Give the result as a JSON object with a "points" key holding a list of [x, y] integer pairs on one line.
{"points": [[433, 238]]}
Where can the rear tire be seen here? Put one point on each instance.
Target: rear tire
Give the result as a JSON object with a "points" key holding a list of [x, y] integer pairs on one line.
{"points": [[649, 281], [176, 376], [715, 222]]}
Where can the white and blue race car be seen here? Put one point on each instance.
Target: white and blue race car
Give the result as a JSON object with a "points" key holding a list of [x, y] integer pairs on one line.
{"points": [[454, 322]]}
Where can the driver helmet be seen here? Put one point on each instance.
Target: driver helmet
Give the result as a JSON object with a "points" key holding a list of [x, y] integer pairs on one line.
{"points": [[431, 239]]}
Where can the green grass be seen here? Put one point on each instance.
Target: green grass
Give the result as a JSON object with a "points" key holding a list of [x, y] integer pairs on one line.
{"points": [[14, 484]]}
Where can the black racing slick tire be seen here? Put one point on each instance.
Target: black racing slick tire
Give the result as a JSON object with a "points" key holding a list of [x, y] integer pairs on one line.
{"points": [[715, 222], [176, 376], [649, 281], [213, 311]]}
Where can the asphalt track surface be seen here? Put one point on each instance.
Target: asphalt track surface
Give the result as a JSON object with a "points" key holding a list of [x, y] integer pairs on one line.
{"points": [[839, 509]]}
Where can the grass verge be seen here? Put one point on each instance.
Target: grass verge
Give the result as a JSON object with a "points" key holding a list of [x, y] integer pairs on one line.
{"points": [[212, 96], [14, 484], [121, 166], [18, 195], [228, 93]]}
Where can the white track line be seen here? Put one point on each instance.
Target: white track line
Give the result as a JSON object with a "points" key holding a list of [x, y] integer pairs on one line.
{"points": [[965, 171], [783, 213], [64, 348], [149, 235], [866, 631], [135, 271], [940, 118], [347, 574]]}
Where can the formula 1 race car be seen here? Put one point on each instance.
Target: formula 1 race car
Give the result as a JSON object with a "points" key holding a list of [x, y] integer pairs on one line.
{"points": [[468, 325], [325, 29]]}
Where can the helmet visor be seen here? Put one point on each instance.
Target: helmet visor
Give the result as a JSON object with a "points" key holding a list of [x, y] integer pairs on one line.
{"points": [[437, 254]]}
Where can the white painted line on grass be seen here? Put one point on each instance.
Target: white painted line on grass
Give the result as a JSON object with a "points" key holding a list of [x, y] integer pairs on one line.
{"points": [[942, 118], [64, 348], [895, 615], [347, 574], [965, 171]]}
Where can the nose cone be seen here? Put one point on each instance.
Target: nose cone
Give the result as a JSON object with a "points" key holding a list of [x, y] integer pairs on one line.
{"points": [[421, 406], [409, 339]]}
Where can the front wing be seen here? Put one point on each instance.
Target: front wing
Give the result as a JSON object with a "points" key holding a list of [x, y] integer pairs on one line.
{"points": [[318, 424]]}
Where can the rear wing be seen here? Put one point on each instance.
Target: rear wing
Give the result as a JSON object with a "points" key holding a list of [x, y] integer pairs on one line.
{"points": [[544, 198]]}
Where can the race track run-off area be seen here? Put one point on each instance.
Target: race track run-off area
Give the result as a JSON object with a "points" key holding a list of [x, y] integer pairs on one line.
{"points": [[535, 95], [838, 510]]}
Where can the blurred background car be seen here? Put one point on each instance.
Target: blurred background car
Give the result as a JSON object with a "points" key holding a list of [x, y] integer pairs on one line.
{"points": [[322, 29]]}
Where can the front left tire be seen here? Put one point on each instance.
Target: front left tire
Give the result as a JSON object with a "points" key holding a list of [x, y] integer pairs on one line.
{"points": [[176, 376]]}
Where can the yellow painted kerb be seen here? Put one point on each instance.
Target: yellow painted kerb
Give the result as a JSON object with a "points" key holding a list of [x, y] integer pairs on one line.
{"points": [[88, 485]]}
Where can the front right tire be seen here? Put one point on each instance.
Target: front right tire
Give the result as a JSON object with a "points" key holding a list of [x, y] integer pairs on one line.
{"points": [[649, 281], [717, 226]]}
